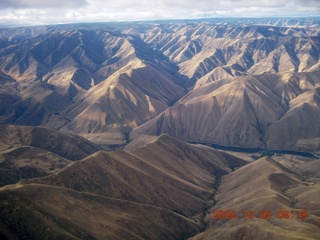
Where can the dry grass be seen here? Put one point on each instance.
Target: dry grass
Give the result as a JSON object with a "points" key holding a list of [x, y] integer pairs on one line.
{"points": [[260, 185]]}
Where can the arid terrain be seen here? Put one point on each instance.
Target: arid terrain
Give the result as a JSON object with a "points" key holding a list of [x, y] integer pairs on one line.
{"points": [[141, 130]]}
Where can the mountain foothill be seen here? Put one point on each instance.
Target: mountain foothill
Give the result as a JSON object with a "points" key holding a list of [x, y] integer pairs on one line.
{"points": [[140, 130]]}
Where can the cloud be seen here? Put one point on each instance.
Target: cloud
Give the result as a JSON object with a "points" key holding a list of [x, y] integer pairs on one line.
{"points": [[23, 4], [25, 12]]}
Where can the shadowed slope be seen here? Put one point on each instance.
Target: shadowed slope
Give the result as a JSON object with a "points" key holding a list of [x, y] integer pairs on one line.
{"points": [[29, 152], [128, 98], [136, 82], [103, 80], [55, 213], [206, 52]]}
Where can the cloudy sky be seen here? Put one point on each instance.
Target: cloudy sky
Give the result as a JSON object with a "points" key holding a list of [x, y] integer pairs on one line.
{"points": [[38, 12]]}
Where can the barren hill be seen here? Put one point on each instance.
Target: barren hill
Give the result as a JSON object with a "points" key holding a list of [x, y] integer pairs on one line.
{"points": [[29, 152], [260, 111], [93, 81], [130, 97], [150, 195], [161, 187], [102, 81], [206, 52], [273, 184]]}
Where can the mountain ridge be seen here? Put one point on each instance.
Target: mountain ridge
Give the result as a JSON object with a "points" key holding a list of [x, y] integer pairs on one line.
{"points": [[246, 104]]}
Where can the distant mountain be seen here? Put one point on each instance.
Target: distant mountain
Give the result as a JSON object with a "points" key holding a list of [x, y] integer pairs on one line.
{"points": [[49, 77], [205, 52], [103, 81]]}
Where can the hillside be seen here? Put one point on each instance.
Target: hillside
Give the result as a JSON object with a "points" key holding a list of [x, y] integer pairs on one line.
{"points": [[29, 152], [274, 111], [268, 184], [134, 194], [102, 81]]}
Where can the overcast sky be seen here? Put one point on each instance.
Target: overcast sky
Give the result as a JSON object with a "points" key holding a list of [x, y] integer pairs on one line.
{"points": [[38, 12]]}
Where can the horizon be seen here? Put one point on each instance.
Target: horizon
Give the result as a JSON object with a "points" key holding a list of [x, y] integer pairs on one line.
{"points": [[54, 12], [155, 21]]}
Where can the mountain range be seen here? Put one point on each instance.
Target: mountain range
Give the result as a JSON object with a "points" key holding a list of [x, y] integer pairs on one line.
{"points": [[111, 130], [103, 81]]}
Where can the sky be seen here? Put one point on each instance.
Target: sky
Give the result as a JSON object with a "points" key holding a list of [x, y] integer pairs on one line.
{"points": [[40, 12]]}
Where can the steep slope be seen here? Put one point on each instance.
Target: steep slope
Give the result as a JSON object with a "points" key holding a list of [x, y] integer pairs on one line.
{"points": [[72, 59], [300, 126], [218, 73], [131, 96], [155, 174], [53, 213], [29, 152], [101, 81], [52, 79], [134, 190], [31, 103], [267, 184], [69, 146], [23, 162], [206, 52], [230, 112], [246, 112]]}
